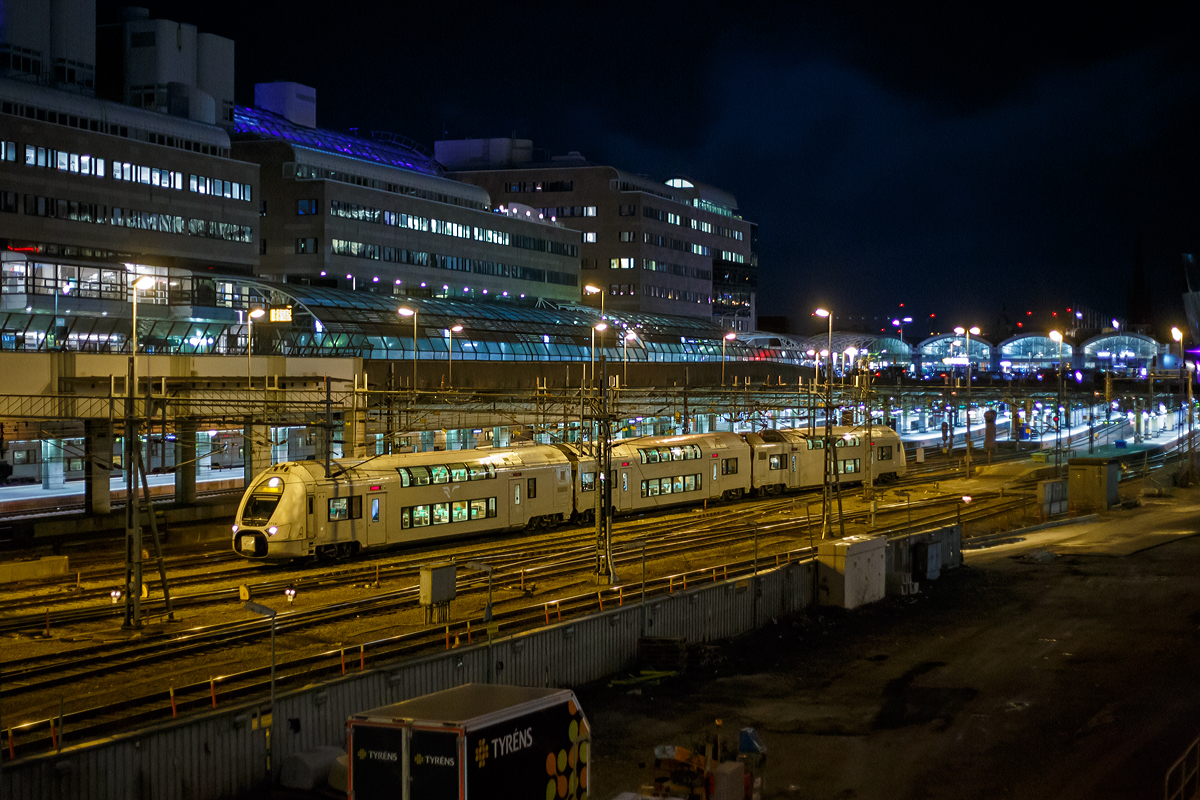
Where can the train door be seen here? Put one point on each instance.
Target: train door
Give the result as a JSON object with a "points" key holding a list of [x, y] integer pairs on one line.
{"points": [[376, 528], [624, 497], [516, 514], [311, 528]]}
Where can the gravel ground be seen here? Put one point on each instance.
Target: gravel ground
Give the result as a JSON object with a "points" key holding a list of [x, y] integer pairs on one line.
{"points": [[1023, 674]]}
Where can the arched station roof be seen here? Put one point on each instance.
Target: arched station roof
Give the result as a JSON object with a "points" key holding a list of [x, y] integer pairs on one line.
{"points": [[1033, 347], [1121, 347], [952, 345]]}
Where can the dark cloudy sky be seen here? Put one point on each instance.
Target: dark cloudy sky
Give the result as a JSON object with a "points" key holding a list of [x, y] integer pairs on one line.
{"points": [[960, 158]]}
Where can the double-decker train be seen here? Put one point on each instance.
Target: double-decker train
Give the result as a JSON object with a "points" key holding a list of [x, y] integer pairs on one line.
{"points": [[294, 510]]}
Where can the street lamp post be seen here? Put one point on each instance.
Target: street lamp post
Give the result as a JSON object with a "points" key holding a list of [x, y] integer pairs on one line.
{"points": [[592, 288], [405, 311], [251, 315], [602, 327], [450, 352], [1055, 336], [629, 336], [140, 285], [974, 329], [830, 458], [724, 339]]}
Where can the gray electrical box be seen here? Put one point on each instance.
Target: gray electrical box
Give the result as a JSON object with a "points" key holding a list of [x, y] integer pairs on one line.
{"points": [[437, 583]]}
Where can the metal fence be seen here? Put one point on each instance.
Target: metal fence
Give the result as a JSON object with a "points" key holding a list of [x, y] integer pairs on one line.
{"points": [[222, 753]]}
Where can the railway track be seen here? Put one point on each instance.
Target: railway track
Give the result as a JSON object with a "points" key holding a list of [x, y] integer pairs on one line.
{"points": [[32, 675]]}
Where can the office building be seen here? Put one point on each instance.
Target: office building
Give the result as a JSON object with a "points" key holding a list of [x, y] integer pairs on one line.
{"points": [[675, 247], [377, 213]]}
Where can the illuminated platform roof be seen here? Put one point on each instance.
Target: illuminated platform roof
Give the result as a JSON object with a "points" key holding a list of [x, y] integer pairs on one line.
{"points": [[385, 149]]}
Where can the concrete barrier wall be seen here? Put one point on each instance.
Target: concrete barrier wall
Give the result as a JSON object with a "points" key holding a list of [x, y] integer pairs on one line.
{"points": [[222, 754]]}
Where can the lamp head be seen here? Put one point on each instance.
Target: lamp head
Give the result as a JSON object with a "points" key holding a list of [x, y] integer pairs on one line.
{"points": [[729, 337], [457, 329], [602, 326], [1176, 334], [592, 289], [143, 283], [820, 312], [255, 313], [974, 330], [960, 330], [630, 336], [406, 312], [1055, 336]]}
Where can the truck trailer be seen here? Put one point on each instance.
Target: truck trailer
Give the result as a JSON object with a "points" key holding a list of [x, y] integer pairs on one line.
{"points": [[472, 742]]}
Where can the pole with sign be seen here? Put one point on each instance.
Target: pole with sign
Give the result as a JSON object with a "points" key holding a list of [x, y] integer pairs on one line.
{"points": [[269, 613]]}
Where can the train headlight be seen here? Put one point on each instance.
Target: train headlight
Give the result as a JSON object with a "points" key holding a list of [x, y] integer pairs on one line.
{"points": [[235, 528], [271, 531]]}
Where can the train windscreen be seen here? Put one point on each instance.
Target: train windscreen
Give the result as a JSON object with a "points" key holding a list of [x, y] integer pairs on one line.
{"points": [[259, 509]]}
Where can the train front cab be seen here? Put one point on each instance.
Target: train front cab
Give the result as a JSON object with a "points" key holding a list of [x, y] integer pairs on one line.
{"points": [[271, 521]]}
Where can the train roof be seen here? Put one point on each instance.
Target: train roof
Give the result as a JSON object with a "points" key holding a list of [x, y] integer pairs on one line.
{"points": [[501, 457]]}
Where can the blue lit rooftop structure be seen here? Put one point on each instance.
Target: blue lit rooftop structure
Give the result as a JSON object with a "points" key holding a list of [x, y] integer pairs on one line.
{"points": [[187, 313], [386, 149]]}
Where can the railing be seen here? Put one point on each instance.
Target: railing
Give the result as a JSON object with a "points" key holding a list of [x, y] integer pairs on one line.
{"points": [[1182, 781]]}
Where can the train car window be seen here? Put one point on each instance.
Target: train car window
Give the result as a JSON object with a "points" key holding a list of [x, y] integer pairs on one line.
{"points": [[587, 481], [459, 511], [532, 492], [624, 481], [339, 508], [849, 465], [440, 474], [374, 509], [405, 477], [664, 454], [478, 509], [885, 453], [491, 506], [76, 465], [777, 461], [729, 466], [665, 486], [441, 513], [405, 518], [689, 483], [793, 463], [478, 472], [815, 444], [420, 476], [696, 451], [310, 505], [715, 470], [517, 493], [678, 487], [458, 472], [420, 516], [677, 454], [21, 456], [650, 456]]}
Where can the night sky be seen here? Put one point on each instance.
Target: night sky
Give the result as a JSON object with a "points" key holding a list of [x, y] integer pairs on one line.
{"points": [[960, 160]]}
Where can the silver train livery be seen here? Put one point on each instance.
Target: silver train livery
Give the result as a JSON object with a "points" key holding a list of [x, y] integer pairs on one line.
{"points": [[293, 511]]}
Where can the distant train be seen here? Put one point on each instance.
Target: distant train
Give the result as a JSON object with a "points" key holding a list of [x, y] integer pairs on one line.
{"points": [[226, 451], [293, 510]]}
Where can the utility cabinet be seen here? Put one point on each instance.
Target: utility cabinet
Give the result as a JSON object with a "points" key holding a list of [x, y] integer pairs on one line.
{"points": [[851, 571]]}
